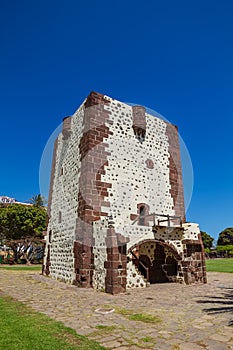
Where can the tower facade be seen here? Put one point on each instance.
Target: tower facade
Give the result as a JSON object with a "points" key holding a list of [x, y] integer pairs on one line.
{"points": [[116, 203]]}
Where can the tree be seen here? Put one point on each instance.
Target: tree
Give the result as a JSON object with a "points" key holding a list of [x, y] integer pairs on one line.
{"points": [[207, 240], [37, 201], [225, 237], [28, 250], [17, 221], [21, 228], [225, 250]]}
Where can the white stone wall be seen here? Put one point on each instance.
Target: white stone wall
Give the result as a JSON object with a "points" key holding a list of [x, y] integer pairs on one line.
{"points": [[100, 253], [65, 201], [191, 231], [134, 278], [132, 181]]}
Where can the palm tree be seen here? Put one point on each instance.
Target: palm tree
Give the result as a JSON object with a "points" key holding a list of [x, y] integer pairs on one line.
{"points": [[38, 201]]}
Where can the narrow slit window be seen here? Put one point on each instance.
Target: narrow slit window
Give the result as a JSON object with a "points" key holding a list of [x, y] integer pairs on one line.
{"points": [[59, 217], [142, 216], [50, 236]]}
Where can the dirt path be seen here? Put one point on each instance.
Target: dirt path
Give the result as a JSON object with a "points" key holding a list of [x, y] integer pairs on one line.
{"points": [[183, 323]]}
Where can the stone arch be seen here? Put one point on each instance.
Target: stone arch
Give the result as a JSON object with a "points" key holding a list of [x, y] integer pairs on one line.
{"points": [[156, 260], [165, 244]]}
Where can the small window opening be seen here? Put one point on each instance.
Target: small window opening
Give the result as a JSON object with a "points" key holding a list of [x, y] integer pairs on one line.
{"points": [[50, 236], [139, 133], [142, 215], [59, 217], [140, 136]]}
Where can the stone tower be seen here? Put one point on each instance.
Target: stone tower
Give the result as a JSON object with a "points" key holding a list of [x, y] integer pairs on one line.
{"points": [[116, 203]]}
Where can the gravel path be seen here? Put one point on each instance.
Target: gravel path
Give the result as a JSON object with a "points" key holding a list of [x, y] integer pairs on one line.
{"points": [[184, 318]]}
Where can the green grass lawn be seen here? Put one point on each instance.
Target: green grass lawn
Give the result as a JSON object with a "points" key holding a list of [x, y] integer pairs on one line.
{"points": [[23, 328], [21, 267], [219, 265], [216, 265]]}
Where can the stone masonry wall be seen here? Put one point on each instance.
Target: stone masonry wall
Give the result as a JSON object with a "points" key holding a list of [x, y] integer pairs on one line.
{"points": [[112, 160], [63, 199], [138, 171], [93, 191], [175, 175]]}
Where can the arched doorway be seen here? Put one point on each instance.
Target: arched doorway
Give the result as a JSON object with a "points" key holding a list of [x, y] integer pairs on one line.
{"points": [[156, 261]]}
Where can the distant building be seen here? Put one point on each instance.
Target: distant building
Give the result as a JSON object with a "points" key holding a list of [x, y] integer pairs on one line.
{"points": [[7, 200], [116, 205]]}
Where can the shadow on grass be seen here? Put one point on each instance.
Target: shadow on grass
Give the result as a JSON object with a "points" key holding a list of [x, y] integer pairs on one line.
{"points": [[222, 304]]}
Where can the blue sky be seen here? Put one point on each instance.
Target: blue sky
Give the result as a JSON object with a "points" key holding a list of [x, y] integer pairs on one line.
{"points": [[174, 57]]}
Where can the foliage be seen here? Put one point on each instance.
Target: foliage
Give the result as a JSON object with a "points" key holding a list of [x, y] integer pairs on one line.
{"points": [[224, 248], [208, 250], [37, 200], [26, 250], [226, 237], [17, 221], [219, 265], [21, 229], [207, 240], [23, 328]]}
